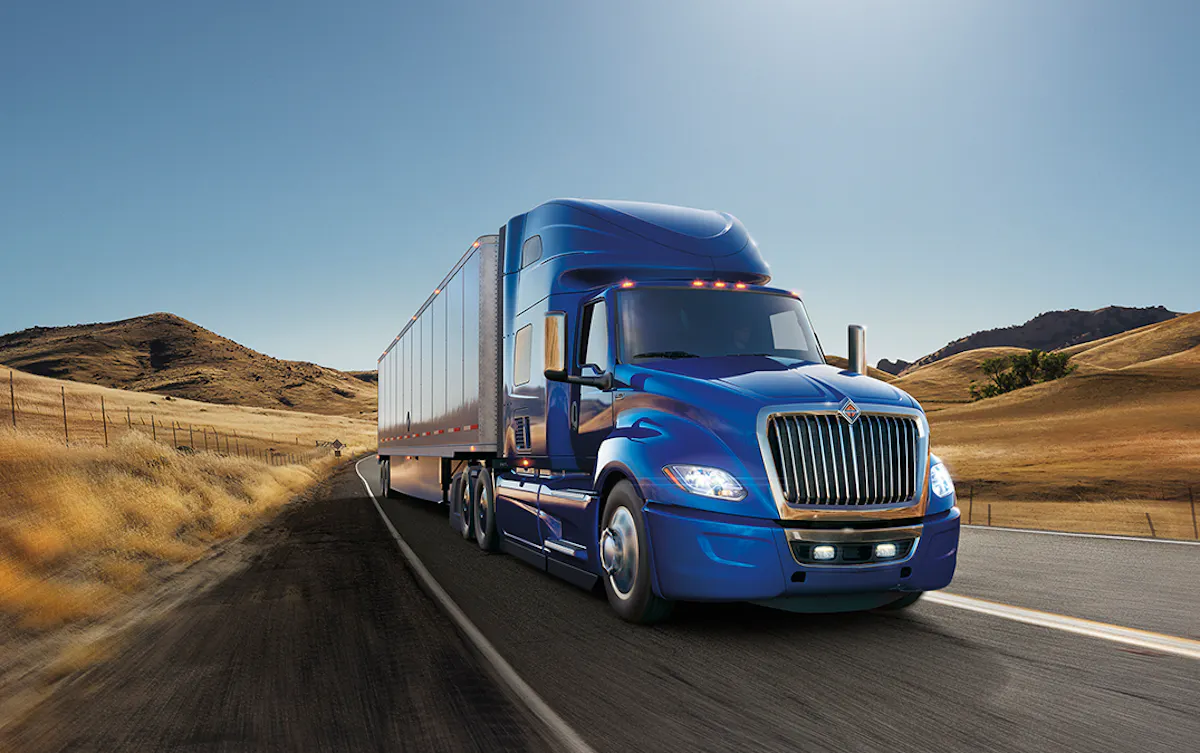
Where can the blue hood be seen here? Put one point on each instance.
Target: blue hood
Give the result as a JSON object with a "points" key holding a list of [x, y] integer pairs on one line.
{"points": [[771, 380]]}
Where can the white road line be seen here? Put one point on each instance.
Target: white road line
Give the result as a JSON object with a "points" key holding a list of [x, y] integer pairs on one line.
{"points": [[1072, 534], [1167, 644], [568, 738]]}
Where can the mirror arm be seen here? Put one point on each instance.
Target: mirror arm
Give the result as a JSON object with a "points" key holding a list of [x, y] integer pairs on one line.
{"points": [[604, 381]]}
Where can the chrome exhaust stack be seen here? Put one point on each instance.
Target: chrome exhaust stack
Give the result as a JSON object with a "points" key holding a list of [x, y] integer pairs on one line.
{"points": [[857, 353]]}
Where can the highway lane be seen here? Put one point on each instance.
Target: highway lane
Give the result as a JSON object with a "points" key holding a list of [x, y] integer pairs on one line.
{"points": [[1139, 584], [739, 677]]}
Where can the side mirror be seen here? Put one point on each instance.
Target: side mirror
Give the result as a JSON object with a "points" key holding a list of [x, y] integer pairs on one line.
{"points": [[556, 356], [556, 347]]}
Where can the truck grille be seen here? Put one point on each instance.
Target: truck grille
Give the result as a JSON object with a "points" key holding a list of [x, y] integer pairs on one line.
{"points": [[820, 459]]}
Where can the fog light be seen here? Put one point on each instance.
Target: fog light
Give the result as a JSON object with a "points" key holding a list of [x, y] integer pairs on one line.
{"points": [[885, 551], [823, 552]]}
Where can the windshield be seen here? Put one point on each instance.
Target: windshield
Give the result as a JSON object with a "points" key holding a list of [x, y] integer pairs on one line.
{"points": [[693, 323]]}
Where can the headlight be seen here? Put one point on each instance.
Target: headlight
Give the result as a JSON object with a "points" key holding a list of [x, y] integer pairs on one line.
{"points": [[939, 481], [707, 482]]}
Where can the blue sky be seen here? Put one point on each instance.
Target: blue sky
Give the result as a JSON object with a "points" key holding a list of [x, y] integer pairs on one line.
{"points": [[299, 175]]}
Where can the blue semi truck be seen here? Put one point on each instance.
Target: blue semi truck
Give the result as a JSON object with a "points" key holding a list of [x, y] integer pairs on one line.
{"points": [[612, 392]]}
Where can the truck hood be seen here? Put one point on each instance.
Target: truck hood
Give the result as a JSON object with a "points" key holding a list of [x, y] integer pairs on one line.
{"points": [[777, 380]]}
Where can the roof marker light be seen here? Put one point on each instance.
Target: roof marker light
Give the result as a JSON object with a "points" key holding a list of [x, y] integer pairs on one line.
{"points": [[697, 283], [627, 284], [475, 244], [740, 286], [719, 284], [437, 291]]}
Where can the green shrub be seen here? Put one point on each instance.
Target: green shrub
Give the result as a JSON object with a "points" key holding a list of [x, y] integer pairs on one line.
{"points": [[1008, 373]]}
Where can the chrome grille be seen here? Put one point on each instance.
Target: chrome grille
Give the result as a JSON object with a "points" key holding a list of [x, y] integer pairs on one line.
{"points": [[820, 459]]}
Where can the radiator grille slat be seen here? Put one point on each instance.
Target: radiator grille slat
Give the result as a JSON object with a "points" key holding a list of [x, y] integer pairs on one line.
{"points": [[822, 460]]}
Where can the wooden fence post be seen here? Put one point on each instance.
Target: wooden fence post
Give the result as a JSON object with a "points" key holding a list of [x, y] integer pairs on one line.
{"points": [[153, 428], [989, 513], [191, 440], [66, 435], [1150, 522], [1192, 499], [104, 419], [970, 504], [128, 417], [174, 441], [205, 430], [12, 398]]}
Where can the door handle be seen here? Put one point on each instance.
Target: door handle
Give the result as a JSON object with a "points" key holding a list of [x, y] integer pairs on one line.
{"points": [[575, 415]]}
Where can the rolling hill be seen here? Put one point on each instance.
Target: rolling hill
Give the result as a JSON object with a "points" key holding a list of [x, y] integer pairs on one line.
{"points": [[1054, 330], [168, 355], [1124, 426]]}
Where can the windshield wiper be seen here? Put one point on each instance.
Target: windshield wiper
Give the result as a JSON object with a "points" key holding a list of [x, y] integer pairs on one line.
{"points": [[666, 354], [769, 355]]}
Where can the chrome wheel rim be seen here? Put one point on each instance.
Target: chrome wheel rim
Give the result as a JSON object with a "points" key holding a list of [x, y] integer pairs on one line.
{"points": [[619, 552]]}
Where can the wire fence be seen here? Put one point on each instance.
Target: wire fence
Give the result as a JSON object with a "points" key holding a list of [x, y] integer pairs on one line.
{"points": [[84, 420], [1171, 513]]}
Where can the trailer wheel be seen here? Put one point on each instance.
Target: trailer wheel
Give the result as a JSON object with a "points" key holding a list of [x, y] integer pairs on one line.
{"points": [[905, 601], [625, 558], [385, 480], [484, 500], [460, 505], [466, 506]]}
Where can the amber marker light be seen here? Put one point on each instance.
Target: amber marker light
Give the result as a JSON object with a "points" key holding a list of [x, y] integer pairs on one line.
{"points": [[437, 291], [627, 284], [475, 244], [740, 286], [718, 284], [697, 283]]}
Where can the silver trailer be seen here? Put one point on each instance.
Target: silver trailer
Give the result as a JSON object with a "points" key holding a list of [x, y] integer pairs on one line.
{"points": [[440, 379]]}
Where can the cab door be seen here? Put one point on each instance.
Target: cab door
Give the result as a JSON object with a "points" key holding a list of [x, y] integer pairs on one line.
{"points": [[591, 414]]}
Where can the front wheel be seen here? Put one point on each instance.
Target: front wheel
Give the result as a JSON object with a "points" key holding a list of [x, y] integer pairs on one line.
{"points": [[625, 558], [905, 601]]}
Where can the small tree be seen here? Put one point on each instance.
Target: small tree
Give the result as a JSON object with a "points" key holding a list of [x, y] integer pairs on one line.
{"points": [[1008, 373]]}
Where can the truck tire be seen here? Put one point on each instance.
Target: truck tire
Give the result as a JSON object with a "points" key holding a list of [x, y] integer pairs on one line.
{"points": [[460, 505], [467, 504], [625, 558], [905, 601], [385, 480], [484, 507]]}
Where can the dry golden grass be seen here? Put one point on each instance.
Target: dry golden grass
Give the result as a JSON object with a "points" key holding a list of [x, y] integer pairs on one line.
{"points": [[247, 430], [1094, 451], [944, 383], [81, 527], [84, 525]]}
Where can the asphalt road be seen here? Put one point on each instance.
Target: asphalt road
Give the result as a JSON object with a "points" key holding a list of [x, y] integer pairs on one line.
{"points": [[934, 678], [323, 641]]}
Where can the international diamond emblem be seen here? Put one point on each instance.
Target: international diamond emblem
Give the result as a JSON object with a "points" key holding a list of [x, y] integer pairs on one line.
{"points": [[848, 411]]}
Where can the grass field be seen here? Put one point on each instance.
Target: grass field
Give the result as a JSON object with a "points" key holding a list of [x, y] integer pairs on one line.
{"points": [[82, 525]]}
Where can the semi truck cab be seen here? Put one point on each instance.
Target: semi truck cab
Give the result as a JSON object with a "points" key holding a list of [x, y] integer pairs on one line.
{"points": [[660, 421]]}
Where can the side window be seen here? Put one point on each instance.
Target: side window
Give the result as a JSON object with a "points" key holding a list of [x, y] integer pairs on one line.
{"points": [[594, 348], [531, 251], [521, 354]]}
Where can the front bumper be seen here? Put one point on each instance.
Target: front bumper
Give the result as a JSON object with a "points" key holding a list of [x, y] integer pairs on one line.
{"points": [[704, 556]]}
